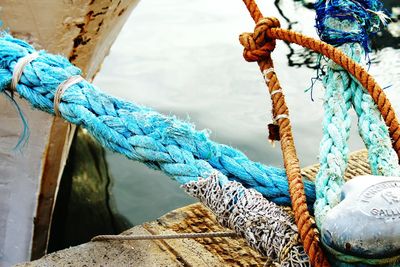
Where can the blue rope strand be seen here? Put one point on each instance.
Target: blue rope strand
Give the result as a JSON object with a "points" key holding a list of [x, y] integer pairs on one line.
{"points": [[361, 20], [139, 133], [25, 128]]}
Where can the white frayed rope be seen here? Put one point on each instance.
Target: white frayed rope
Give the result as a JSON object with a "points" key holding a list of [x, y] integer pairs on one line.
{"points": [[266, 226]]}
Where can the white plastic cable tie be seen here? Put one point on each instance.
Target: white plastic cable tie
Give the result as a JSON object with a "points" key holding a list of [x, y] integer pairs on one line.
{"points": [[19, 68], [276, 92], [280, 116], [62, 88]]}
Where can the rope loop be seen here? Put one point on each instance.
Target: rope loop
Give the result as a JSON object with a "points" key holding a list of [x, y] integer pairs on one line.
{"points": [[258, 46], [263, 25]]}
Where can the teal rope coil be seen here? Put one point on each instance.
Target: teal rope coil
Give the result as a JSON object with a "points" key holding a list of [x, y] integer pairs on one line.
{"points": [[351, 32], [140, 133]]}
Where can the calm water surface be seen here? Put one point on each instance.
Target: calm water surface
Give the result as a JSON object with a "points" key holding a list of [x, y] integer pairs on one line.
{"points": [[183, 58]]}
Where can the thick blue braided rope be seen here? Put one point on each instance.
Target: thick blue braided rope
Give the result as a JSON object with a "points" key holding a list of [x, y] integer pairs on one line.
{"points": [[140, 133], [350, 30]]}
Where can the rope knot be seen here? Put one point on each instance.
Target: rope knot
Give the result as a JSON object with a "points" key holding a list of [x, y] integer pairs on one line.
{"points": [[258, 46]]}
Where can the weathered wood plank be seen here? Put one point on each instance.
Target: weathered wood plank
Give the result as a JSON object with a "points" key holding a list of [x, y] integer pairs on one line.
{"points": [[194, 218], [178, 252]]}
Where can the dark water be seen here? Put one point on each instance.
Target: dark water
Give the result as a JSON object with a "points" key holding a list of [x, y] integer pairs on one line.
{"points": [[183, 58]]}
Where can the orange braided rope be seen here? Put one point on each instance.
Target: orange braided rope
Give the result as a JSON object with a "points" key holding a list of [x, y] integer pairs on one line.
{"points": [[258, 46], [306, 225]]}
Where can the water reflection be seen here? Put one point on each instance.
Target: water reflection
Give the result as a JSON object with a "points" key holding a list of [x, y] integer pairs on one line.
{"points": [[183, 58]]}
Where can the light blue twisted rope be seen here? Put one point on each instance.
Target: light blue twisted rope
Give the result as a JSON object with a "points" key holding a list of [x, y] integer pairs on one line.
{"points": [[374, 132], [161, 142], [334, 149], [349, 32]]}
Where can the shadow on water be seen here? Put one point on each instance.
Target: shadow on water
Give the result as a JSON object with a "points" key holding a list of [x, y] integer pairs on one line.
{"points": [[84, 206], [90, 202]]}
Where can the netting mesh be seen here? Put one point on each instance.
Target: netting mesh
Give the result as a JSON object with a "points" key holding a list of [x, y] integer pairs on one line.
{"points": [[267, 227]]}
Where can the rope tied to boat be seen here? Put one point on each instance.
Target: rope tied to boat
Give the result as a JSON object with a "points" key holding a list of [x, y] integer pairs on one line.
{"points": [[175, 147]]}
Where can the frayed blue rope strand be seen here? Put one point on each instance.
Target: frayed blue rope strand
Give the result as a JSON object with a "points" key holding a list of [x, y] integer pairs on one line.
{"points": [[4, 84], [361, 19], [139, 133], [24, 136]]}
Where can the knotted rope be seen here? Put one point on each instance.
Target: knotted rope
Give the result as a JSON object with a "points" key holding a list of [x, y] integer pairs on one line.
{"points": [[257, 45], [340, 58], [253, 43], [173, 146]]}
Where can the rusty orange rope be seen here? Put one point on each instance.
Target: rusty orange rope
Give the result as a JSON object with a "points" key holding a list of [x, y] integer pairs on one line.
{"points": [[340, 58], [258, 47]]}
